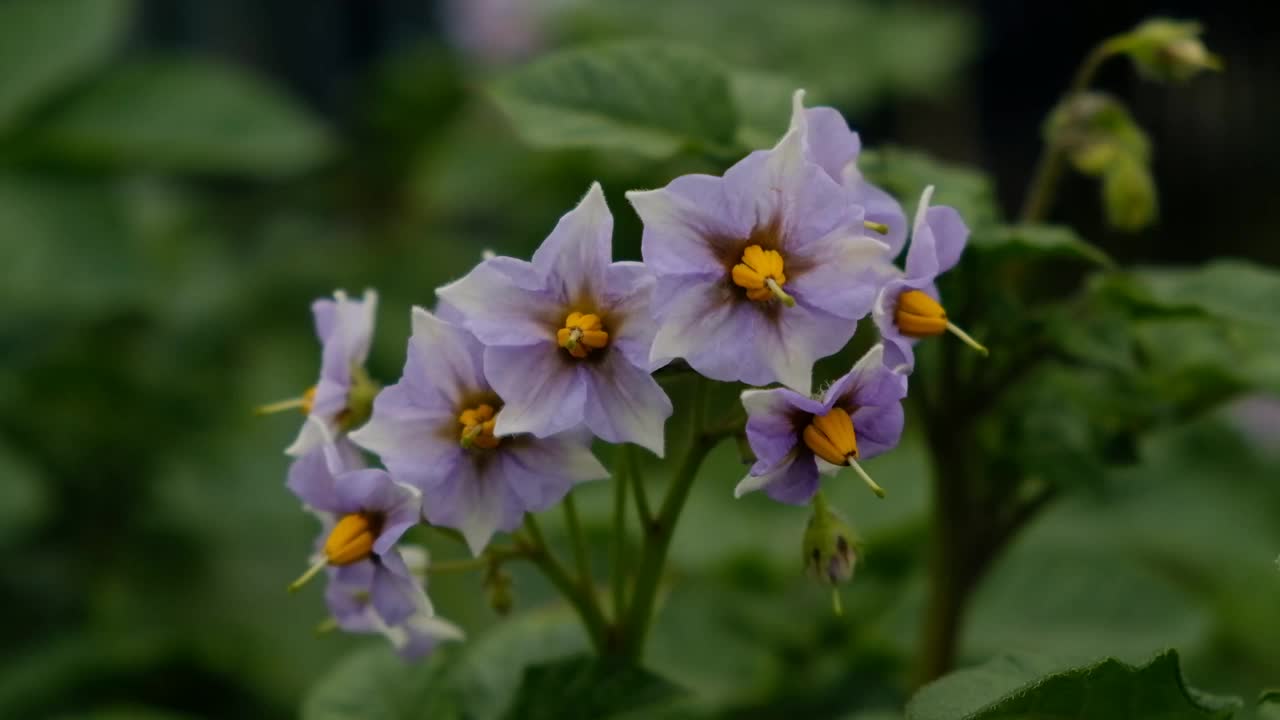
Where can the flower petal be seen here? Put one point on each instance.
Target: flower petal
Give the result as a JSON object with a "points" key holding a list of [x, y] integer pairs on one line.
{"points": [[411, 440], [396, 594], [350, 332], [701, 321], [418, 636], [311, 481], [679, 220], [541, 472], [848, 270], [937, 240], [575, 255], [793, 481], [629, 295], [799, 336], [504, 301], [625, 404], [445, 355], [475, 500], [771, 429], [542, 388], [879, 428]]}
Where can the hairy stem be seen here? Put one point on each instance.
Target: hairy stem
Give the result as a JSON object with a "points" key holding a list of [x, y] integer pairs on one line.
{"points": [[579, 541], [658, 534], [1053, 158], [583, 602], [622, 476]]}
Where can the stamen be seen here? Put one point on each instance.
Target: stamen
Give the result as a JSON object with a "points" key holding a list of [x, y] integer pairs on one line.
{"points": [[876, 227], [477, 427], [964, 336], [582, 333], [310, 573], [327, 626], [761, 274], [352, 538], [774, 288], [879, 491], [919, 315], [832, 437], [302, 403]]}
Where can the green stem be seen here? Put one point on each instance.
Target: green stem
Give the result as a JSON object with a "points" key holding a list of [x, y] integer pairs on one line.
{"points": [[583, 602], [1053, 159], [579, 542], [643, 509], [622, 475], [635, 629]]}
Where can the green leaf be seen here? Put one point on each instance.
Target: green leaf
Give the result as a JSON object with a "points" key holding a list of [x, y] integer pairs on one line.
{"points": [[375, 684], [46, 45], [905, 173], [1030, 687], [1232, 290], [476, 679], [648, 98], [587, 687], [187, 115], [1037, 242]]}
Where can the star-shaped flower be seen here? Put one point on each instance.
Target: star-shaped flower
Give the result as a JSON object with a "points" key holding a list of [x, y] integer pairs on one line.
{"points": [[794, 436], [908, 307], [567, 336], [762, 271], [436, 429]]}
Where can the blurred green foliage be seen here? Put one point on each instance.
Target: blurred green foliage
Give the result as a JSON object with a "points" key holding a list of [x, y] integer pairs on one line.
{"points": [[166, 221]]}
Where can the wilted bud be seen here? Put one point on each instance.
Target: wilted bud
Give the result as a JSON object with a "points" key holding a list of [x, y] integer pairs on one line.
{"points": [[1169, 50], [1128, 194], [1094, 129], [497, 586], [830, 545], [359, 399]]}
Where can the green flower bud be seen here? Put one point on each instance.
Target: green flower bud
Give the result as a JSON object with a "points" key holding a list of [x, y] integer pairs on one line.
{"points": [[1169, 50], [1128, 194], [359, 399], [1094, 129], [830, 547], [497, 585]]}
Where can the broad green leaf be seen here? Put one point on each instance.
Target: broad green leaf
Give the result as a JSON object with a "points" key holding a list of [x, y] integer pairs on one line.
{"points": [[647, 98], [46, 45], [1232, 290], [375, 684], [476, 679], [187, 115], [905, 174], [1031, 687], [587, 687], [24, 495], [763, 100], [1036, 243]]}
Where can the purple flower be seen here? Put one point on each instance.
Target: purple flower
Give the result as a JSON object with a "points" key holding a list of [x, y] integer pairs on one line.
{"points": [[907, 308], [567, 336], [759, 272], [341, 398], [794, 436], [435, 430], [363, 513], [349, 598], [832, 145]]}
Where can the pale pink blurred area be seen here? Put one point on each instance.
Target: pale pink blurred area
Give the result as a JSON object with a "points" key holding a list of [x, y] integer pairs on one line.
{"points": [[499, 31], [1258, 417]]}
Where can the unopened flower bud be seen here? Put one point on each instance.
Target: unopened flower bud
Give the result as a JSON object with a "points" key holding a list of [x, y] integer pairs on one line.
{"points": [[359, 399], [1129, 195], [830, 545], [497, 585], [1169, 50]]}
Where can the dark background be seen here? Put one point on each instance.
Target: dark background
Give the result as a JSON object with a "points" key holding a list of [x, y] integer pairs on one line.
{"points": [[154, 289]]}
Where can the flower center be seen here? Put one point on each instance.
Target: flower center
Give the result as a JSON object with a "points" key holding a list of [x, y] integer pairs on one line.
{"points": [[582, 333], [831, 437], [760, 273], [352, 538], [477, 427], [919, 315]]}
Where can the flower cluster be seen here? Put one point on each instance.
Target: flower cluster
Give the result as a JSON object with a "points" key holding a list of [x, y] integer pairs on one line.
{"points": [[747, 277]]}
